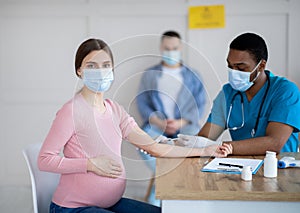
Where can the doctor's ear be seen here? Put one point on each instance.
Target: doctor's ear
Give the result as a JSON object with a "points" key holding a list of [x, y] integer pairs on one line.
{"points": [[262, 65]]}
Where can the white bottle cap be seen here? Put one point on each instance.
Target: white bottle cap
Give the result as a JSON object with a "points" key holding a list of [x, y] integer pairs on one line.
{"points": [[270, 153]]}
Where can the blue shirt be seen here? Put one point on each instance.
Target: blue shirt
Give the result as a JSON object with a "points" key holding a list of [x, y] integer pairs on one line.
{"points": [[282, 104], [190, 102]]}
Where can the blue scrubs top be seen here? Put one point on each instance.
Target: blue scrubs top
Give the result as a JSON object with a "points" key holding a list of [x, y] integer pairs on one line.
{"points": [[282, 104]]}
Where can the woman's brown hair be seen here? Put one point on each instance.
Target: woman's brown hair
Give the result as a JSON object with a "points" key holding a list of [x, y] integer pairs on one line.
{"points": [[88, 46]]}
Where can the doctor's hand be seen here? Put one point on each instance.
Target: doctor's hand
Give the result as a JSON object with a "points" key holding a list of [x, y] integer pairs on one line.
{"points": [[209, 147], [104, 166], [194, 141]]}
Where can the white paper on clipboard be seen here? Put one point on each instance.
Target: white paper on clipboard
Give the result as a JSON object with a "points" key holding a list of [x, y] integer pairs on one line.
{"points": [[214, 165]]}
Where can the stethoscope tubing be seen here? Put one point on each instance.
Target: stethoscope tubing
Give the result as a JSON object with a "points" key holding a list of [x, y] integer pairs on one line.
{"points": [[242, 103]]}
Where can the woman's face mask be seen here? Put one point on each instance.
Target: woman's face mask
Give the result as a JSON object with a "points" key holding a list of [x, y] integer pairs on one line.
{"points": [[240, 80], [98, 80]]}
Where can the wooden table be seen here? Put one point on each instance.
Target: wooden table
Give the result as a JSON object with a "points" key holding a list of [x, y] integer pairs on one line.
{"points": [[182, 187]]}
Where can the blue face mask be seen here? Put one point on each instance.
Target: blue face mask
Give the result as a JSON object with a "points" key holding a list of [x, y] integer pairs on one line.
{"points": [[240, 80], [98, 80], [171, 57]]}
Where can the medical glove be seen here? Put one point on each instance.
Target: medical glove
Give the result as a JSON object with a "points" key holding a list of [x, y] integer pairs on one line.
{"points": [[194, 141]]}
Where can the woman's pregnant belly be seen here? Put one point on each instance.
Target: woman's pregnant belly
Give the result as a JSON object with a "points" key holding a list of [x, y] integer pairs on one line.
{"points": [[89, 189]]}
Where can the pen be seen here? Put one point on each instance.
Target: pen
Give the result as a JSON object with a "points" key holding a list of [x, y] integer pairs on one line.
{"points": [[228, 170], [208, 160], [230, 165]]}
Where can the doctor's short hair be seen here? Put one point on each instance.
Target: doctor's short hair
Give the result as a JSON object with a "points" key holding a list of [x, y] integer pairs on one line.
{"points": [[169, 34], [253, 44], [89, 46]]}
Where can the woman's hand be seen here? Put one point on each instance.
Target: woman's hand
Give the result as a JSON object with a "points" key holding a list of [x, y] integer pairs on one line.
{"points": [[223, 151], [104, 166]]}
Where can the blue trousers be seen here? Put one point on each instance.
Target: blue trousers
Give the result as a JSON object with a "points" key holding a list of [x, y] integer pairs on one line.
{"points": [[124, 205]]}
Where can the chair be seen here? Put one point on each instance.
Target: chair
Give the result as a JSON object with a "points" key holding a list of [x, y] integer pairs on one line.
{"points": [[149, 188], [43, 184]]}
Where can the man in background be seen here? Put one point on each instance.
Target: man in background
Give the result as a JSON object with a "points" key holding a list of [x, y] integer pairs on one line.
{"points": [[171, 96]]}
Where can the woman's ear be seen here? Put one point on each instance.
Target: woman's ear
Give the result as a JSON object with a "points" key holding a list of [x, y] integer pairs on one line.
{"points": [[79, 72]]}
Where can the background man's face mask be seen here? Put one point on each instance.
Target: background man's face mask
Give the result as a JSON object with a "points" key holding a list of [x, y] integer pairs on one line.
{"points": [[240, 80], [171, 57], [98, 80]]}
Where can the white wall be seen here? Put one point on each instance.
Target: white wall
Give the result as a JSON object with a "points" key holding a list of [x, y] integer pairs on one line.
{"points": [[38, 40], [277, 21]]}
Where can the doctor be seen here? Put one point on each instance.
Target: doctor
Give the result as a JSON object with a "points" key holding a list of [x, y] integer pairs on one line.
{"points": [[260, 110]]}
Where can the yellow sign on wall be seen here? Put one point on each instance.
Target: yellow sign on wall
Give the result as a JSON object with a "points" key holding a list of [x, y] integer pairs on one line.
{"points": [[203, 17]]}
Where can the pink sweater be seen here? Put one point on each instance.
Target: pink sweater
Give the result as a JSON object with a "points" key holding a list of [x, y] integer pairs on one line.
{"points": [[82, 132]]}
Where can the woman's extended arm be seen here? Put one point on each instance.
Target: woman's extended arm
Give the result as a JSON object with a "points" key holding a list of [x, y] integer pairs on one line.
{"points": [[140, 139]]}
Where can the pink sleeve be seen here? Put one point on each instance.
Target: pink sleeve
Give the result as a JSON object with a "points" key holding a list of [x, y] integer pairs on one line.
{"points": [[126, 123], [61, 131]]}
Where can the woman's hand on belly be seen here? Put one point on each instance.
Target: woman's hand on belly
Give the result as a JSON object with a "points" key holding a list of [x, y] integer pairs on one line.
{"points": [[104, 166]]}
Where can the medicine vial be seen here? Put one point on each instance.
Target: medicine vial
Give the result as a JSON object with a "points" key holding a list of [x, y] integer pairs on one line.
{"points": [[270, 165], [246, 173]]}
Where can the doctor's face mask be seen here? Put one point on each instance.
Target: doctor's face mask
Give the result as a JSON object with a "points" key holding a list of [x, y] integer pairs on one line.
{"points": [[240, 80]]}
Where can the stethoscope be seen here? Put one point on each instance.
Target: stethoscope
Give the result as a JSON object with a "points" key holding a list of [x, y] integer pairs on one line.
{"points": [[253, 131]]}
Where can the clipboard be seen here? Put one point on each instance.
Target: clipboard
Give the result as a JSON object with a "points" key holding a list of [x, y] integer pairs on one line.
{"points": [[232, 165]]}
